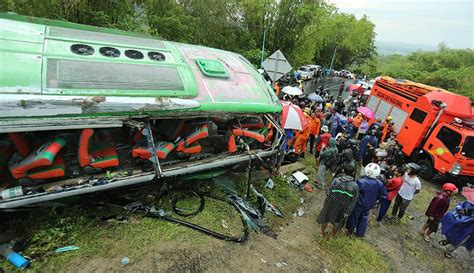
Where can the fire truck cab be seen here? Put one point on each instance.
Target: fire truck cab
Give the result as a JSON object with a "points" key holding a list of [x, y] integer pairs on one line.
{"points": [[435, 126]]}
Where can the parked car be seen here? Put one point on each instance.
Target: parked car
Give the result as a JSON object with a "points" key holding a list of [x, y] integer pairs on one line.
{"points": [[305, 72], [317, 69], [345, 74]]}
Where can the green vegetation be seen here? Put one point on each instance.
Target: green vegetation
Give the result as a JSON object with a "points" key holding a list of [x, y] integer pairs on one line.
{"points": [[351, 254], [451, 69], [81, 225], [306, 31]]}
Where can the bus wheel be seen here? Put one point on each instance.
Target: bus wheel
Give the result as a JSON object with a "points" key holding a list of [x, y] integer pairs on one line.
{"points": [[426, 171]]}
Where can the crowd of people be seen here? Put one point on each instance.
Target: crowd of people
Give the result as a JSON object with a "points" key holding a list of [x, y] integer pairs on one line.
{"points": [[368, 169]]}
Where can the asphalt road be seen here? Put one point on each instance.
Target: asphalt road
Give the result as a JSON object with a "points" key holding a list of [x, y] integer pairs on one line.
{"points": [[331, 85]]}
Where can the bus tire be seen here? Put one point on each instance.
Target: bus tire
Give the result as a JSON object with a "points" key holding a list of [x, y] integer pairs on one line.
{"points": [[426, 171]]}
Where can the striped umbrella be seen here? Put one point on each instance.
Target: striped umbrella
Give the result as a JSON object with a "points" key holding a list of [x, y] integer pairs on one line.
{"points": [[292, 116]]}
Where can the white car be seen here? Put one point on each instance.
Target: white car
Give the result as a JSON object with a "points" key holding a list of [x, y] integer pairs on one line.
{"points": [[305, 72], [316, 68]]}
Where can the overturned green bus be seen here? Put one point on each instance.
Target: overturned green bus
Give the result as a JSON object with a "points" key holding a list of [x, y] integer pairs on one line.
{"points": [[86, 109]]}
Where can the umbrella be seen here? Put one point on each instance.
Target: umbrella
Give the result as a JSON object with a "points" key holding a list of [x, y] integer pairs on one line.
{"points": [[292, 117], [291, 90], [315, 97], [468, 192], [353, 87], [366, 112]]}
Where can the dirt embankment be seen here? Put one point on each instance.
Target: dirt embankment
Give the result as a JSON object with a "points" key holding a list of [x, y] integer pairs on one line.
{"points": [[394, 247]]}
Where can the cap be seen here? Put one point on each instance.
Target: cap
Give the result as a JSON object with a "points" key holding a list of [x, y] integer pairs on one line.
{"points": [[325, 128]]}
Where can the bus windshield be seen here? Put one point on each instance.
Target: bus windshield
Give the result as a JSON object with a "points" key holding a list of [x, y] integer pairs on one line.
{"points": [[468, 147]]}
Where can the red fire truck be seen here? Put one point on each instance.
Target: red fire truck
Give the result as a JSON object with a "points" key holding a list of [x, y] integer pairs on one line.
{"points": [[435, 126]]}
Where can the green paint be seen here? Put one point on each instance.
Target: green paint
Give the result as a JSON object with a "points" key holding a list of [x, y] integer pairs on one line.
{"points": [[344, 192], [212, 68], [27, 44]]}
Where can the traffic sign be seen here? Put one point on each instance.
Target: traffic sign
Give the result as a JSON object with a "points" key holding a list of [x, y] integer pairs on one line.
{"points": [[276, 65]]}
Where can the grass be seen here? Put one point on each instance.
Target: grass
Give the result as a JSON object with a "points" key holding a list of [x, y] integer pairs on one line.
{"points": [[80, 225], [351, 254]]}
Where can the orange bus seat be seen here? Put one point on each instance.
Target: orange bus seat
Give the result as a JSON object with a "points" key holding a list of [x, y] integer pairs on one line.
{"points": [[247, 133], [200, 133], [6, 151], [192, 150], [163, 148], [98, 155], [44, 163], [22, 145], [231, 145]]}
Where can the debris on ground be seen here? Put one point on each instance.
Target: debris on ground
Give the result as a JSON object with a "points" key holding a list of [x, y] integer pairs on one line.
{"points": [[66, 248], [125, 261], [270, 184], [298, 179]]}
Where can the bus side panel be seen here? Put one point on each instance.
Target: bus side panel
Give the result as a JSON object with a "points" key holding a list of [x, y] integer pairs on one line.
{"points": [[20, 64]]}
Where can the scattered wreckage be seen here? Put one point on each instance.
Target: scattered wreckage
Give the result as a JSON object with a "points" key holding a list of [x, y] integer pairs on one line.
{"points": [[86, 109]]}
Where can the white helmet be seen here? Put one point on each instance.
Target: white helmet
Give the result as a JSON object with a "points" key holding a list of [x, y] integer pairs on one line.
{"points": [[372, 170]]}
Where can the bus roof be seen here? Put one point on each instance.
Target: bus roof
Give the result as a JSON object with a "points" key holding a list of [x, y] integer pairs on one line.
{"points": [[220, 81]]}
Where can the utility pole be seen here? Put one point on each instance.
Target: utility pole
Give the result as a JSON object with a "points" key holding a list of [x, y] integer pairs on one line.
{"points": [[264, 35], [263, 45], [333, 57]]}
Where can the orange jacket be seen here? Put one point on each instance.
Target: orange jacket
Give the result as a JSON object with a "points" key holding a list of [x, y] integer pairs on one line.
{"points": [[305, 132], [277, 88], [315, 125], [357, 121]]}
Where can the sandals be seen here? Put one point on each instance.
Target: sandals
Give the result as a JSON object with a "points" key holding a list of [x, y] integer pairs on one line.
{"points": [[444, 242], [448, 255], [427, 239]]}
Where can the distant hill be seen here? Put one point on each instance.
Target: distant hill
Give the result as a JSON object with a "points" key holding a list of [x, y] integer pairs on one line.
{"points": [[388, 47]]}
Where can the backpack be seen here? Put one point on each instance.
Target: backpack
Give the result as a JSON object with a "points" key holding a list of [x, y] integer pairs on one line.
{"points": [[332, 160]]}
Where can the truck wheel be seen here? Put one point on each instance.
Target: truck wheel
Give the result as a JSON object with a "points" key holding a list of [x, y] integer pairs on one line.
{"points": [[426, 171]]}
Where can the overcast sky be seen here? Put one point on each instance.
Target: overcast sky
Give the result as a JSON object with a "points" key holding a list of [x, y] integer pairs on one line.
{"points": [[427, 22]]}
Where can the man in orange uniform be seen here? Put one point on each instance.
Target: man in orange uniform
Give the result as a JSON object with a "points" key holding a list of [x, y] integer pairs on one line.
{"points": [[357, 120], [315, 125], [387, 128], [302, 138], [277, 89]]}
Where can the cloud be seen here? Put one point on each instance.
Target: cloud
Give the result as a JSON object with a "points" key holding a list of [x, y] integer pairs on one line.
{"points": [[420, 21]]}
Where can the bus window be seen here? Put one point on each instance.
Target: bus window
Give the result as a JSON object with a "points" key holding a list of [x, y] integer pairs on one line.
{"points": [[383, 110], [418, 115], [372, 104], [468, 148], [398, 117], [451, 139]]}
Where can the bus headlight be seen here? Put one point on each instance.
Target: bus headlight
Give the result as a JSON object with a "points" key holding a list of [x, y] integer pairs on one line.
{"points": [[455, 169]]}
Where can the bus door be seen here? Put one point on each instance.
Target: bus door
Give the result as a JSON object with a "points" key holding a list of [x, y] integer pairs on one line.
{"points": [[443, 144], [412, 130]]}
